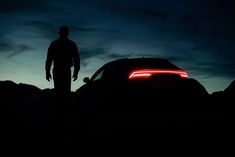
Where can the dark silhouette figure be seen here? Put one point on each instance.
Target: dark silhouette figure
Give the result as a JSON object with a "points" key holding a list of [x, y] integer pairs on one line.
{"points": [[63, 53]]}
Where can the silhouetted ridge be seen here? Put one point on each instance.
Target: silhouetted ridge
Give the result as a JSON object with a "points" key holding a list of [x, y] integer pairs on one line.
{"points": [[230, 90], [194, 88], [189, 115], [10, 90]]}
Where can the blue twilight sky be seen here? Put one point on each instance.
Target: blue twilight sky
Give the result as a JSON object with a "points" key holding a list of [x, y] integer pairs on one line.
{"points": [[196, 35]]}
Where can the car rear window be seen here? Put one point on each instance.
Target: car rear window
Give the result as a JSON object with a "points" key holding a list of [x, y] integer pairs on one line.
{"points": [[120, 70]]}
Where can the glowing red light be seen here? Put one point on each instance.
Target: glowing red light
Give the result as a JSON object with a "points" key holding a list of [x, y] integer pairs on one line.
{"points": [[148, 73]]}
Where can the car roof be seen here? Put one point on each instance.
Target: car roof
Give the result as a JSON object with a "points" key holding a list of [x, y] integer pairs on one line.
{"points": [[120, 68]]}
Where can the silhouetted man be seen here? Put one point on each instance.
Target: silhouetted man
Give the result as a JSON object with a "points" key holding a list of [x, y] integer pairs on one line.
{"points": [[63, 53]]}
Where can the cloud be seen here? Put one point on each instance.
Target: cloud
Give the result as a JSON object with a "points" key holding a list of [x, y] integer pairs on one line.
{"points": [[11, 48], [114, 56], [42, 25], [47, 29], [18, 49], [155, 14], [139, 11], [4, 46], [99, 52], [209, 66], [88, 53], [50, 30], [213, 37], [186, 19], [91, 29], [228, 5], [17, 6], [213, 70], [84, 29]]}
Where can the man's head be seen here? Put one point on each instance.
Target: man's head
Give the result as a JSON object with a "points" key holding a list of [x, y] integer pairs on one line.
{"points": [[64, 31]]}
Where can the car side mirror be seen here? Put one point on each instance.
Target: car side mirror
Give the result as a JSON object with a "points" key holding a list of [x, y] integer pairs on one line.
{"points": [[86, 80]]}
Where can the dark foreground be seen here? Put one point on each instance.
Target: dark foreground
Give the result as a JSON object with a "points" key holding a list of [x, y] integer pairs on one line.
{"points": [[34, 123]]}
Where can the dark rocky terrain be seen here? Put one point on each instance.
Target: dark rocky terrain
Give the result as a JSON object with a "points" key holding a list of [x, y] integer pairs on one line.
{"points": [[33, 122]]}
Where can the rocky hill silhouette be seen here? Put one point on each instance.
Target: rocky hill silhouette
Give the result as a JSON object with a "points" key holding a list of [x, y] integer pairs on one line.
{"points": [[227, 95], [230, 90], [187, 118]]}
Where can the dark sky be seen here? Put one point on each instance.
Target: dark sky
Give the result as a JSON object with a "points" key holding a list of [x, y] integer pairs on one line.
{"points": [[196, 35]]}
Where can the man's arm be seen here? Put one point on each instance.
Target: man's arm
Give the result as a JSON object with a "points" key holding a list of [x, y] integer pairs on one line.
{"points": [[76, 63], [49, 61]]}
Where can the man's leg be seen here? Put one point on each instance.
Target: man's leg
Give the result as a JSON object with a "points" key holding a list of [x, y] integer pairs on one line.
{"points": [[62, 83]]}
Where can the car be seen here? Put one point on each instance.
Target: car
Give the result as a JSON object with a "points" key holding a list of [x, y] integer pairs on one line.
{"points": [[136, 93], [136, 81]]}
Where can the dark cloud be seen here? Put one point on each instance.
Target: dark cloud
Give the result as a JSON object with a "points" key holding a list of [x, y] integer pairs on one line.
{"points": [[113, 56], [186, 19], [213, 36], [83, 29], [17, 6], [45, 28], [11, 48], [50, 30], [156, 15], [194, 24], [139, 11], [211, 68], [99, 52], [42, 25], [18, 49], [176, 59], [88, 53], [214, 70], [4, 46], [225, 5], [91, 29]]}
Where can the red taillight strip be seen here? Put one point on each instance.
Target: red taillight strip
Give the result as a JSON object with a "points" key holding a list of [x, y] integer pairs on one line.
{"points": [[148, 73]]}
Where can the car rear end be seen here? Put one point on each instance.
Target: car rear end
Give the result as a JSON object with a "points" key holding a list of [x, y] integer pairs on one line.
{"points": [[154, 76], [136, 84]]}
